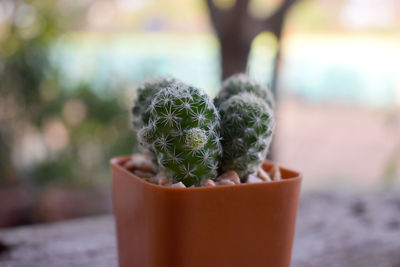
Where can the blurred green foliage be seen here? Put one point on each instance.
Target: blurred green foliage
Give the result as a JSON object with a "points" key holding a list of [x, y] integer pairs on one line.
{"points": [[49, 133]]}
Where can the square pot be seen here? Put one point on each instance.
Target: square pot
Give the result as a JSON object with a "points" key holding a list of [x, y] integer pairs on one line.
{"points": [[223, 226]]}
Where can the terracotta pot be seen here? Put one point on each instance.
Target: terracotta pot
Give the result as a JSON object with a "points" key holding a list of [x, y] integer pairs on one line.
{"points": [[224, 226]]}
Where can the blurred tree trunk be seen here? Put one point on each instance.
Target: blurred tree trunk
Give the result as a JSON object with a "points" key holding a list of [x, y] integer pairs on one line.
{"points": [[236, 29]]}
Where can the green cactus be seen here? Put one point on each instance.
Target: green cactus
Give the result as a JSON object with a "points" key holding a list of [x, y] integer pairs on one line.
{"points": [[183, 131], [145, 94], [240, 83], [247, 123]]}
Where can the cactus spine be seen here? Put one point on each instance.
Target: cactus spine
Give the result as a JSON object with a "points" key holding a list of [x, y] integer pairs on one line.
{"points": [[246, 127], [240, 83], [182, 130]]}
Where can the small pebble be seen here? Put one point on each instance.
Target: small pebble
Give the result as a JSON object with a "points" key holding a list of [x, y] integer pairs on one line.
{"points": [[178, 185], [160, 179], [209, 182], [143, 174], [275, 173], [140, 162], [263, 175], [225, 182], [230, 175], [252, 179]]}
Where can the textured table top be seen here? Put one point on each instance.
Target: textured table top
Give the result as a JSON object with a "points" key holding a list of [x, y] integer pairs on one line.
{"points": [[332, 230]]}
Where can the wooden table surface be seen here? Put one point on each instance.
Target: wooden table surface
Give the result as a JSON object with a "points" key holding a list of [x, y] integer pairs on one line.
{"points": [[332, 230]]}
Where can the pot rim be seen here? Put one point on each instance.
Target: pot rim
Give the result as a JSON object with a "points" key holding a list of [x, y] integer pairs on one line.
{"points": [[295, 177]]}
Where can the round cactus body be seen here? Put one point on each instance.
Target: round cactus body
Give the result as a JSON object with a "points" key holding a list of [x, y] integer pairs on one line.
{"points": [[183, 132], [240, 83], [247, 123], [145, 94]]}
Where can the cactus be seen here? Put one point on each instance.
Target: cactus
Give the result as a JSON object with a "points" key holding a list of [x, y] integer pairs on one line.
{"points": [[183, 132], [145, 94], [247, 123], [240, 83]]}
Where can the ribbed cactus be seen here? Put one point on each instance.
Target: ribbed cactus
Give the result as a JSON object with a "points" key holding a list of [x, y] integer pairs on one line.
{"points": [[145, 94], [182, 130], [246, 129], [240, 83]]}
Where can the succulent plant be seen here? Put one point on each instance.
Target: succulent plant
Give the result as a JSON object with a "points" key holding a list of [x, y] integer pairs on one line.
{"points": [[240, 83], [247, 123], [183, 132], [145, 94]]}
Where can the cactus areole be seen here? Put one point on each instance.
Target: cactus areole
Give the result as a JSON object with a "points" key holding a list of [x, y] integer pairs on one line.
{"points": [[182, 131]]}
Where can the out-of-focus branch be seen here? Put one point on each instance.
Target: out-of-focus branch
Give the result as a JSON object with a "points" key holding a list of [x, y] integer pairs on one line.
{"points": [[245, 26], [272, 23], [217, 15], [236, 29], [227, 21]]}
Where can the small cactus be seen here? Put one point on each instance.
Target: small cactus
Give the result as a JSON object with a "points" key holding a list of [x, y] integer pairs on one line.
{"points": [[140, 113], [246, 128], [240, 83], [145, 94], [182, 130]]}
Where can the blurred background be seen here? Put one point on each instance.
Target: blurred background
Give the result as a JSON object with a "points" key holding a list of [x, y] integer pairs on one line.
{"points": [[68, 71]]}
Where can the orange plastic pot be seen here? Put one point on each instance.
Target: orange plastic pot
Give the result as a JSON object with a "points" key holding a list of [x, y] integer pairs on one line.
{"points": [[225, 226]]}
